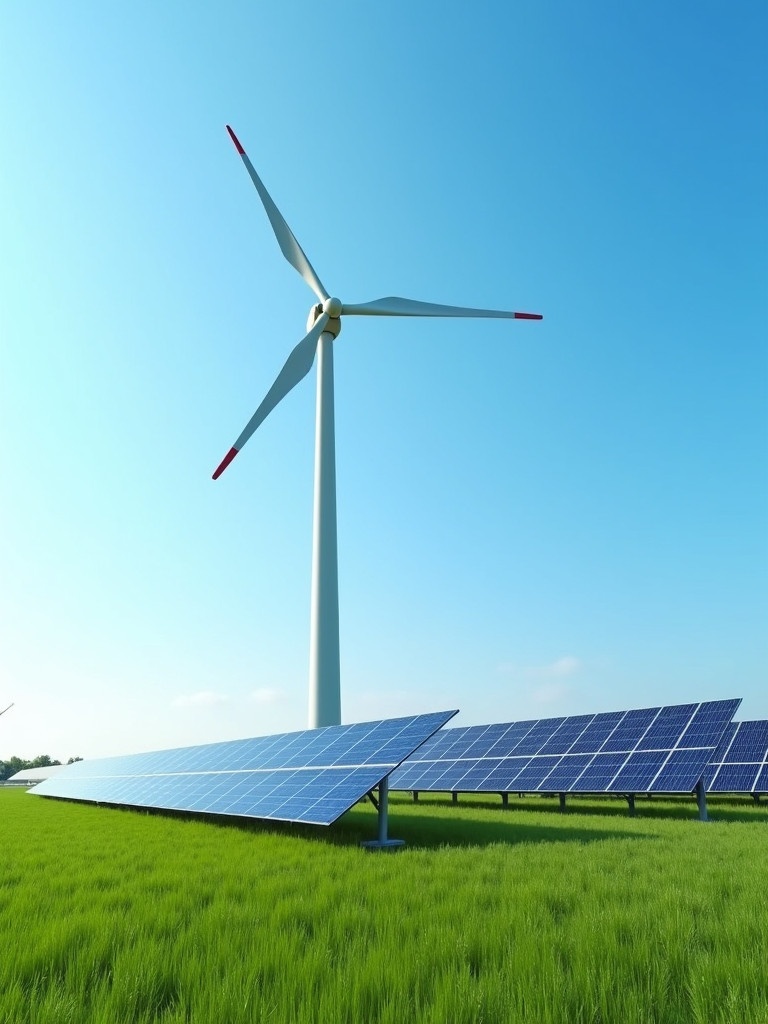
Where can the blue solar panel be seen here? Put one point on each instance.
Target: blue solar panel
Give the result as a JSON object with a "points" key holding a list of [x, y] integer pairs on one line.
{"points": [[535, 772], [666, 728], [630, 730], [661, 749], [502, 773], [538, 736], [596, 733], [484, 738], [563, 738], [514, 733], [312, 776], [567, 771], [639, 771], [598, 775], [739, 763]]}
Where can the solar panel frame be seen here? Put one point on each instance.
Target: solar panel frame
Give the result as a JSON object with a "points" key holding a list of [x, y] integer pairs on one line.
{"points": [[313, 776], [659, 749]]}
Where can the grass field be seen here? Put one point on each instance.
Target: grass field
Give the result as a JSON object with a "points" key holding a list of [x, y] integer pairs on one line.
{"points": [[588, 917]]}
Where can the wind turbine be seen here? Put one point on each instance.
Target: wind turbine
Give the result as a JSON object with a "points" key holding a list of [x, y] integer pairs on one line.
{"points": [[323, 325]]}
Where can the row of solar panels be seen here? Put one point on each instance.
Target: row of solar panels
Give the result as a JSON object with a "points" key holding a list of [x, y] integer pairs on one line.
{"points": [[316, 775], [652, 750]]}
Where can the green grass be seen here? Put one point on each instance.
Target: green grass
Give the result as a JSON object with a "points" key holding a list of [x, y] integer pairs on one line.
{"points": [[527, 914]]}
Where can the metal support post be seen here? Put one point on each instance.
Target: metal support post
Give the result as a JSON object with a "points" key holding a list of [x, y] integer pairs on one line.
{"points": [[454, 798], [415, 796], [383, 809], [631, 802], [505, 799], [701, 800], [383, 842], [562, 802]]}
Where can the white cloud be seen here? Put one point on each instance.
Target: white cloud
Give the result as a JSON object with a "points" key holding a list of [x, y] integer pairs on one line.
{"points": [[266, 695], [565, 666], [561, 668], [204, 699], [548, 683], [550, 693]]}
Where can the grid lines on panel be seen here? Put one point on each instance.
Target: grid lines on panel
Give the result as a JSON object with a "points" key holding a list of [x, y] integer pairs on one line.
{"points": [[740, 763]]}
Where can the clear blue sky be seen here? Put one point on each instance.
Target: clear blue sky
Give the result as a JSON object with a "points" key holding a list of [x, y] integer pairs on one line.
{"points": [[534, 518]]}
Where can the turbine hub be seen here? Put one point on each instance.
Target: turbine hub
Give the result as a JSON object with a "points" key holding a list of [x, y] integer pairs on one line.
{"points": [[334, 324], [332, 307]]}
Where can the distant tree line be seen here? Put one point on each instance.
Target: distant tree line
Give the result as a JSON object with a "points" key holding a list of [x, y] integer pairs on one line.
{"points": [[18, 764]]}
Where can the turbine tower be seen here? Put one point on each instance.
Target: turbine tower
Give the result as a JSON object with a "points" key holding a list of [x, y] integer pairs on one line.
{"points": [[323, 326]]}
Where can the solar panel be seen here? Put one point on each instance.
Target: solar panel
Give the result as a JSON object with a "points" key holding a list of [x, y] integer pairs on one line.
{"points": [[649, 750], [313, 776], [740, 763]]}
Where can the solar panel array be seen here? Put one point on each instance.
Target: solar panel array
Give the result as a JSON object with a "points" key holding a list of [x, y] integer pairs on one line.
{"points": [[661, 750], [740, 763], [313, 776]]}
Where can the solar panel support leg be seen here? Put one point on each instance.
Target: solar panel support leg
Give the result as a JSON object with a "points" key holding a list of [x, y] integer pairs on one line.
{"points": [[383, 842], [454, 797], [415, 796], [631, 802], [562, 802], [505, 799], [701, 800]]}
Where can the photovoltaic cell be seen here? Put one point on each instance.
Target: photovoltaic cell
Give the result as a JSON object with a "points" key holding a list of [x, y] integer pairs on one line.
{"points": [[566, 772], [566, 735], [313, 776], [596, 733], [660, 749], [740, 763]]}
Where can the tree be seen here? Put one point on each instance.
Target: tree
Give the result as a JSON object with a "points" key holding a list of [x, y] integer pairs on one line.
{"points": [[18, 764], [42, 761]]}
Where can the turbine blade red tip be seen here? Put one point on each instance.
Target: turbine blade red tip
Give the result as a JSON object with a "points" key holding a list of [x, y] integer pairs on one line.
{"points": [[225, 462], [528, 316], [236, 141]]}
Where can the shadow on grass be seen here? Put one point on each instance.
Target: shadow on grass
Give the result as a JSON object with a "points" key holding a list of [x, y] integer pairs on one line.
{"points": [[424, 831], [735, 809], [477, 820], [418, 828]]}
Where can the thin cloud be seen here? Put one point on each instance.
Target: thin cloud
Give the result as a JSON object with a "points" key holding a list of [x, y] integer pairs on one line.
{"points": [[266, 695], [202, 699], [550, 693], [566, 666], [561, 668]]}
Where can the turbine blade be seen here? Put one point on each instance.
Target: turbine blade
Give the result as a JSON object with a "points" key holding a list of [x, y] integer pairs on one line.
{"points": [[296, 367], [393, 305], [285, 237]]}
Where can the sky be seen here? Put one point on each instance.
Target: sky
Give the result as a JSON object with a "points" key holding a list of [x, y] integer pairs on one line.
{"points": [[535, 518]]}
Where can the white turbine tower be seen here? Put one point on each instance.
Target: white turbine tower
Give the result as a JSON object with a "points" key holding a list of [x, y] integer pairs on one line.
{"points": [[324, 324]]}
